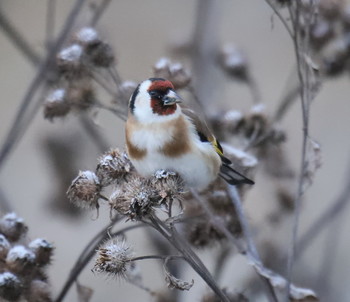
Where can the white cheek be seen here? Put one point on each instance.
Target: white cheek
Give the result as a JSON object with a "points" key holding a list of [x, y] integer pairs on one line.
{"points": [[143, 111]]}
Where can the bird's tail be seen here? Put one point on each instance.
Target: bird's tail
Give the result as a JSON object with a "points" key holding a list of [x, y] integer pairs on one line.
{"points": [[233, 177]]}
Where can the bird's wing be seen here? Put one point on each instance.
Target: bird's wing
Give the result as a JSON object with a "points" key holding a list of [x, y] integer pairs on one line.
{"points": [[226, 172], [204, 133]]}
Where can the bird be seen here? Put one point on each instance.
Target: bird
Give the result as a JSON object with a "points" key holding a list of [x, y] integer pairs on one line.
{"points": [[163, 134]]}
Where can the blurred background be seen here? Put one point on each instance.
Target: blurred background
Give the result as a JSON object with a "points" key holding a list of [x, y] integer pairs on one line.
{"points": [[35, 175]]}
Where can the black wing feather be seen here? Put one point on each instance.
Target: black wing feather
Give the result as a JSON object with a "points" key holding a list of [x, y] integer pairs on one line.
{"points": [[232, 176]]}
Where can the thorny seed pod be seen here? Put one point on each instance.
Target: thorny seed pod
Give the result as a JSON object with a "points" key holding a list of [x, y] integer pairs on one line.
{"points": [[169, 185], [85, 190], [43, 251], [69, 61], [330, 9], [4, 246], [39, 291], [56, 104], [10, 287], [81, 95], [12, 227], [335, 58], [20, 260], [113, 166], [200, 232], [87, 36], [234, 62], [113, 258], [100, 54], [139, 196], [174, 72]]}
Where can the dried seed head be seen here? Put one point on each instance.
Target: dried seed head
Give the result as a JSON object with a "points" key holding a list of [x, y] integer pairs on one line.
{"points": [[20, 260], [321, 33], [201, 233], [139, 196], [113, 258], [39, 291], [135, 199], [69, 61], [330, 9], [87, 36], [4, 246], [113, 167], [81, 95], [335, 57], [234, 62], [100, 54], [168, 185], [174, 72], [10, 287], [56, 104], [43, 251], [85, 190], [12, 227]]}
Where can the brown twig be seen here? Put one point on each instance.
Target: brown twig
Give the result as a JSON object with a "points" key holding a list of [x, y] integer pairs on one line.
{"points": [[85, 256]]}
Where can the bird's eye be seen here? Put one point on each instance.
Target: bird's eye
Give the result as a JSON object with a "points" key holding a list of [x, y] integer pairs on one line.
{"points": [[154, 94]]}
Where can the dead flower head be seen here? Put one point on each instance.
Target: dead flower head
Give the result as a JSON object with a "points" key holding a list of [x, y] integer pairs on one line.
{"points": [[113, 258], [113, 167], [12, 227], [85, 190], [174, 72], [56, 104], [139, 196]]}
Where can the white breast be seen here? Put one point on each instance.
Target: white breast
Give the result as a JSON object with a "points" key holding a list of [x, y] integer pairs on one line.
{"points": [[198, 168]]}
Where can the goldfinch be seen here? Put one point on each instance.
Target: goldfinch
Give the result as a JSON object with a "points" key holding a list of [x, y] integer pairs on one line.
{"points": [[161, 134]]}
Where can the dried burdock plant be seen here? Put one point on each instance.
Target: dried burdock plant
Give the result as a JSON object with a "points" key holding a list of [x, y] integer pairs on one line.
{"points": [[113, 258], [85, 190], [81, 64], [22, 276]]}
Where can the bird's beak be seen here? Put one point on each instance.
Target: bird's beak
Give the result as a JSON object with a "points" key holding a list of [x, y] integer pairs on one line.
{"points": [[171, 98]]}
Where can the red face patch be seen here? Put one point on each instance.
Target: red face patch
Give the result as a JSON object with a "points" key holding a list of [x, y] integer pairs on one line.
{"points": [[161, 85], [160, 109]]}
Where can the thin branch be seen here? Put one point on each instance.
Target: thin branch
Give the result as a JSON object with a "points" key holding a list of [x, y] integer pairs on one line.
{"points": [[99, 10], [252, 251], [96, 136], [286, 102], [17, 129], [280, 17], [191, 258], [205, 41], [50, 22], [302, 47], [18, 40], [81, 263], [337, 207]]}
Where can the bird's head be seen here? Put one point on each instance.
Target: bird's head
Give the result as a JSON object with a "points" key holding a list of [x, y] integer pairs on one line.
{"points": [[154, 100]]}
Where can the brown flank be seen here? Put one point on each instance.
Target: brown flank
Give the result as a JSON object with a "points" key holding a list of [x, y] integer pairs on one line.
{"points": [[179, 144], [133, 151]]}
